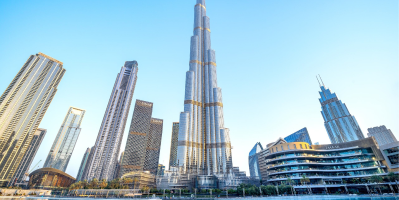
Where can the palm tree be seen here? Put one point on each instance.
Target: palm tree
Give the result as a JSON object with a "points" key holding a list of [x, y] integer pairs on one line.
{"points": [[93, 183], [135, 181], [376, 179], [391, 176], [103, 184], [304, 179]]}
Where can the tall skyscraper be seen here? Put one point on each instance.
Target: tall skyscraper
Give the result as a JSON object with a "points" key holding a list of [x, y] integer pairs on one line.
{"points": [[30, 154], [144, 141], [299, 136], [87, 165], [108, 143], [22, 107], [382, 135], [253, 161], [341, 126], [204, 143], [85, 158], [173, 145], [65, 141]]}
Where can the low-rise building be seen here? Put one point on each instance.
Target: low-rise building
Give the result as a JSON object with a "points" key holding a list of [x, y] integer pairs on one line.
{"points": [[332, 163], [50, 178]]}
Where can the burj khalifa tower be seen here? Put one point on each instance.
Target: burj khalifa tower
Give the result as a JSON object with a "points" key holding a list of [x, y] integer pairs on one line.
{"points": [[204, 146]]}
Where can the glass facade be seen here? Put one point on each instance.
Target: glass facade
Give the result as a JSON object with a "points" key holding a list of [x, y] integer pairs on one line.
{"points": [[382, 135], [22, 107], [324, 162], [65, 141], [299, 136], [108, 144], [341, 126], [253, 161], [79, 177], [204, 145], [30, 154], [143, 142], [173, 145]]}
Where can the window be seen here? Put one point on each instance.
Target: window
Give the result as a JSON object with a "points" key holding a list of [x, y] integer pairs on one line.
{"points": [[288, 146], [301, 146], [282, 148], [276, 149], [294, 146]]}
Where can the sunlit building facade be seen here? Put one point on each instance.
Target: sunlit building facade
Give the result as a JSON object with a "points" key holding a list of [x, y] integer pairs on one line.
{"points": [[324, 164], [299, 136], [22, 107], [253, 161], [23, 168], [107, 147], [173, 145], [65, 141], [341, 126], [143, 142], [204, 145], [382, 135]]}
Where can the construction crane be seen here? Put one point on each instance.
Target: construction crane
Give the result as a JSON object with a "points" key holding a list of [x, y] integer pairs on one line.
{"points": [[27, 174]]}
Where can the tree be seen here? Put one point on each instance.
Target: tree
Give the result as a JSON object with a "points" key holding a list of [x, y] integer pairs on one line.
{"points": [[304, 179], [93, 183], [135, 181], [391, 176], [114, 184], [376, 179], [103, 184], [290, 181]]}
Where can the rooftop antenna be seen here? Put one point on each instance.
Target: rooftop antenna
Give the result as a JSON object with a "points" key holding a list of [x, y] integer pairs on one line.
{"points": [[318, 81], [321, 80]]}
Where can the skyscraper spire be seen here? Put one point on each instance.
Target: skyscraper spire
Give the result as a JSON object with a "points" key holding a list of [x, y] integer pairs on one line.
{"points": [[202, 135], [341, 126]]}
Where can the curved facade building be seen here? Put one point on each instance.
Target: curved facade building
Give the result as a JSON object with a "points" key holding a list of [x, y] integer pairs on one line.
{"points": [[324, 164], [48, 178]]}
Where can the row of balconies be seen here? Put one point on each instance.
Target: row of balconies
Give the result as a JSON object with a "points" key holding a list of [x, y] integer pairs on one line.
{"points": [[304, 155], [328, 174], [325, 168], [323, 162]]}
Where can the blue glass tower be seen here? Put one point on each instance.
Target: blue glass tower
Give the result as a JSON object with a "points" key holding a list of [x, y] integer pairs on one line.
{"points": [[299, 136], [253, 162], [341, 126]]}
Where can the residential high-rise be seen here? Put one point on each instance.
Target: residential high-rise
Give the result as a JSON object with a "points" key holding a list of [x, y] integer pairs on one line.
{"points": [[22, 107], [65, 141], [86, 167], [85, 158], [118, 167], [253, 161], [108, 143], [382, 135], [173, 145], [144, 141], [30, 154], [341, 126], [204, 143], [299, 136]]}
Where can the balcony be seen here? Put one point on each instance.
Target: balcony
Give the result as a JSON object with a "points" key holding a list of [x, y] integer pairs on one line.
{"points": [[305, 155], [324, 169], [324, 162]]}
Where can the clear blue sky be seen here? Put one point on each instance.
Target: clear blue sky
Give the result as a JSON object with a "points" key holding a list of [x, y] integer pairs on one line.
{"points": [[268, 54]]}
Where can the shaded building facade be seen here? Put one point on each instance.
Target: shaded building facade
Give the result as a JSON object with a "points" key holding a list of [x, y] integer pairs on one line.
{"points": [[253, 161], [22, 107], [30, 154], [341, 126], [65, 141], [382, 135], [204, 145], [173, 145], [85, 158], [299, 136], [144, 141], [107, 147]]}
